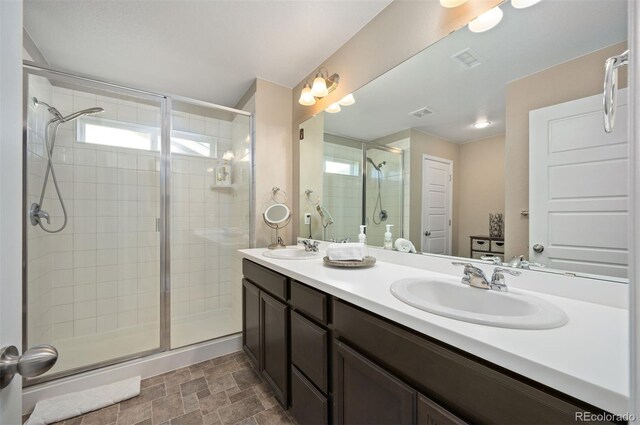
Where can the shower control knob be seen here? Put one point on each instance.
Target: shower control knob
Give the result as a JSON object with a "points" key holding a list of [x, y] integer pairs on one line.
{"points": [[34, 362], [538, 248]]}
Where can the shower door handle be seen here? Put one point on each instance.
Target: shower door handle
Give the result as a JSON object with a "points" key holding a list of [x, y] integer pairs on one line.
{"points": [[34, 362], [611, 88]]}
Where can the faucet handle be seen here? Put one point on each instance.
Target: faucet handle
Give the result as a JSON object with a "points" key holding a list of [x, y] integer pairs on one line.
{"points": [[508, 271], [497, 280]]}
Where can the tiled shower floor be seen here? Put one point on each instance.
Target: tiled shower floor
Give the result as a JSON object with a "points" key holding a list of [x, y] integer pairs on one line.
{"points": [[226, 390]]}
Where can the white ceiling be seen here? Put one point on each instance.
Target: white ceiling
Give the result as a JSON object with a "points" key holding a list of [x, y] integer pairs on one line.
{"points": [[209, 50], [525, 42]]}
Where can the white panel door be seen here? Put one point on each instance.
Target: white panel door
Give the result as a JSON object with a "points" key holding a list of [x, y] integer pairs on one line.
{"points": [[11, 198], [578, 188], [436, 205]]}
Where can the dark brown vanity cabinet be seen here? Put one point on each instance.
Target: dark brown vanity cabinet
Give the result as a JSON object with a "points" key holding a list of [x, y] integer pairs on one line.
{"points": [[333, 362], [265, 326], [366, 394], [310, 345]]}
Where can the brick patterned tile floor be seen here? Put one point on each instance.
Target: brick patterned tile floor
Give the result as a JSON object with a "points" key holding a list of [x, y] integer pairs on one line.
{"points": [[222, 391]]}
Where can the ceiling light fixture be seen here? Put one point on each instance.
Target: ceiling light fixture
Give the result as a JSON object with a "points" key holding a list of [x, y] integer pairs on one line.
{"points": [[348, 100], [481, 124], [306, 98], [522, 4], [487, 20], [323, 84], [451, 3], [334, 108]]}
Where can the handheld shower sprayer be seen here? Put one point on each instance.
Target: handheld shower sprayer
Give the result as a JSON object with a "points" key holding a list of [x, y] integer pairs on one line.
{"points": [[36, 213]]}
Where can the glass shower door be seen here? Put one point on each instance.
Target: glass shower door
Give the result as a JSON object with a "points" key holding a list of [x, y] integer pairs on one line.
{"points": [[92, 251], [383, 194], [210, 220]]}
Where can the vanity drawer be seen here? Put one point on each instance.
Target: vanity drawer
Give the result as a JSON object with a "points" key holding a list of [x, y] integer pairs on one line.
{"points": [[270, 281], [310, 349], [497, 246], [480, 245], [469, 387], [308, 300], [308, 405]]}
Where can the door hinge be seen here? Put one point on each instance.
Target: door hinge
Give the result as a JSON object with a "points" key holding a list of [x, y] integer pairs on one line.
{"points": [[449, 177], [449, 222]]}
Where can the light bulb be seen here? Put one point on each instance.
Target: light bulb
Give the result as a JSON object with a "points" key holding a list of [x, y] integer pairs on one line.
{"points": [[452, 3], [306, 98], [347, 100], [481, 124], [333, 108], [486, 21], [319, 87], [522, 4]]}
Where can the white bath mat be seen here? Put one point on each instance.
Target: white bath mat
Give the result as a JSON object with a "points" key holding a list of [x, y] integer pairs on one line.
{"points": [[73, 404]]}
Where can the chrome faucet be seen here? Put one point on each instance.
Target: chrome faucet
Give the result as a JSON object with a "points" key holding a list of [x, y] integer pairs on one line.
{"points": [[497, 280], [310, 246], [474, 276]]}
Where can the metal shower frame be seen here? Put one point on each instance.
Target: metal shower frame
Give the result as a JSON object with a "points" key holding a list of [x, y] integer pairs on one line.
{"points": [[165, 100]]}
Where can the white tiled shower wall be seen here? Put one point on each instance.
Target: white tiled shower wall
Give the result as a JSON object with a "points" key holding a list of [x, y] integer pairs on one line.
{"points": [[102, 272], [342, 195]]}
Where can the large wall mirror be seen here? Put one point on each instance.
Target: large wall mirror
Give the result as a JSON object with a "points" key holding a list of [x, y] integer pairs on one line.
{"points": [[485, 145]]}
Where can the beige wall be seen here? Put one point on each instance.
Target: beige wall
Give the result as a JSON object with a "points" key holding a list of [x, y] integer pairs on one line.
{"points": [[271, 104], [311, 175], [571, 80], [481, 188], [401, 30], [427, 144]]}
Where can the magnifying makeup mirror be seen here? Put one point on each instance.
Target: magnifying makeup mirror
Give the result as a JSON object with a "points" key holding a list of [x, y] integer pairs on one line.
{"points": [[277, 216]]}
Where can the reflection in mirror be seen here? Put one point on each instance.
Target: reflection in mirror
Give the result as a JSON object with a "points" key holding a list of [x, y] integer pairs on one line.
{"points": [[506, 123]]}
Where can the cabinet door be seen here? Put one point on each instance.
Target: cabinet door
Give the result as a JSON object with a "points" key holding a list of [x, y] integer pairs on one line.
{"points": [[429, 413], [366, 394], [274, 322], [251, 321]]}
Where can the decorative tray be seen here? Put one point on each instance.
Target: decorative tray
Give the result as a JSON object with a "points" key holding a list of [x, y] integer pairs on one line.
{"points": [[367, 262]]}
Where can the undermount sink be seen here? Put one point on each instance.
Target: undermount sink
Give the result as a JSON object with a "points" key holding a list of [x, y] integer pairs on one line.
{"points": [[292, 253], [486, 307]]}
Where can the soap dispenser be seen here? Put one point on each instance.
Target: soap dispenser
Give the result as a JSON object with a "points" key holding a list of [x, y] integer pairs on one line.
{"points": [[362, 237], [388, 243]]}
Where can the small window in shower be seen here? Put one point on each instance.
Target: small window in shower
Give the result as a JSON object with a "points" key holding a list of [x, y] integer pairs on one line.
{"points": [[142, 137], [119, 134], [342, 167]]}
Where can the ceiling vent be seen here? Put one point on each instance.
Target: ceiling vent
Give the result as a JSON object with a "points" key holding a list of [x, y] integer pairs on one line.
{"points": [[422, 112], [468, 58]]}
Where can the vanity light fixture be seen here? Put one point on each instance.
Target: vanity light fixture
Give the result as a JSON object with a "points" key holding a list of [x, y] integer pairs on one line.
{"points": [[334, 108], [481, 124], [323, 84], [452, 3], [522, 4], [487, 20], [306, 98], [348, 100]]}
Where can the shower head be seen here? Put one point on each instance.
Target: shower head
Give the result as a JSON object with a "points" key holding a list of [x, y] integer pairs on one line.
{"points": [[53, 111], [58, 116], [89, 111], [377, 167], [325, 216]]}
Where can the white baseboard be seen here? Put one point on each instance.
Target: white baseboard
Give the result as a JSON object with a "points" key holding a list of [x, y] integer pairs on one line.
{"points": [[145, 367]]}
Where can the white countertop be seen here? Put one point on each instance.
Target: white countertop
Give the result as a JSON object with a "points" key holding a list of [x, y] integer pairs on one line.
{"points": [[588, 358]]}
